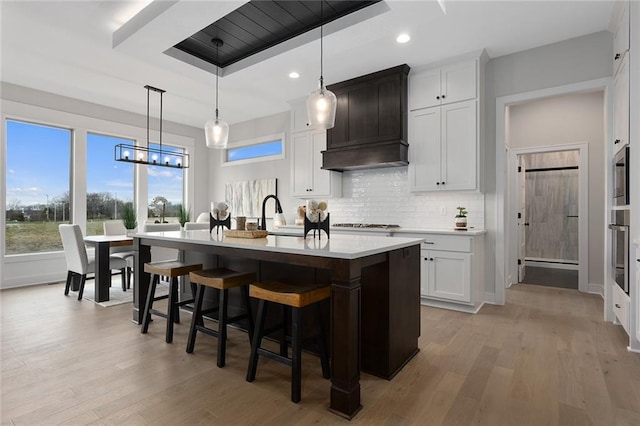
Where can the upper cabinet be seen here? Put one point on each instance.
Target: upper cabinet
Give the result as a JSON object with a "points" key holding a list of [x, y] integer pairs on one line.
{"points": [[307, 177], [299, 118], [445, 112], [620, 36], [445, 85], [621, 106]]}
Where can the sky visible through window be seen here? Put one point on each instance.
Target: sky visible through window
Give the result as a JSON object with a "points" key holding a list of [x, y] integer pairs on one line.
{"points": [[38, 159], [255, 151]]}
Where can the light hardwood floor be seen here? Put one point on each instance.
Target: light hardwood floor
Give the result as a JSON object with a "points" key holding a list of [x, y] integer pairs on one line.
{"points": [[545, 358]]}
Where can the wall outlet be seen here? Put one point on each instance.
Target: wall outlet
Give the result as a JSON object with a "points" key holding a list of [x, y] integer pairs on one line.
{"points": [[443, 210]]}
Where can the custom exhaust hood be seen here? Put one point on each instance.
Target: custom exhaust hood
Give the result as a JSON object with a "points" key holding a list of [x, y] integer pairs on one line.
{"points": [[371, 122]]}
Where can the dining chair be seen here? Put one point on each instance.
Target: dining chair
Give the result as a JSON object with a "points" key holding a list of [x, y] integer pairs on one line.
{"points": [[79, 263], [191, 226], [116, 227]]}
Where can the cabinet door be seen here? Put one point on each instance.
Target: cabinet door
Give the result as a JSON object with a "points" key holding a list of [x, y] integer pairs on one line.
{"points": [[424, 149], [621, 37], [425, 265], [301, 168], [320, 179], [459, 82], [459, 146], [621, 107], [299, 119], [424, 90], [449, 276]]}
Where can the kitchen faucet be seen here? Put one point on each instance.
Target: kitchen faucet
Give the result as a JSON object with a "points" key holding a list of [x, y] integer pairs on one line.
{"points": [[263, 224]]}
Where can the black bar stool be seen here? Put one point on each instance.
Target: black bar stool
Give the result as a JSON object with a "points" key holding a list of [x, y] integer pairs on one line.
{"points": [[292, 297], [221, 280], [172, 269]]}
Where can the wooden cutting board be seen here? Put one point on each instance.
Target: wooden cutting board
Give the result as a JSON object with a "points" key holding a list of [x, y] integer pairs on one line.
{"points": [[245, 234]]}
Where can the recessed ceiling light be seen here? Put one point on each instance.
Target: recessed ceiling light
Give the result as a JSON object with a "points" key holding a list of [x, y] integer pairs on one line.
{"points": [[403, 38], [294, 75]]}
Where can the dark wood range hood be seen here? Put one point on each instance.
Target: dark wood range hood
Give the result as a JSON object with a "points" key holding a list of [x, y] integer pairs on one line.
{"points": [[371, 122]]}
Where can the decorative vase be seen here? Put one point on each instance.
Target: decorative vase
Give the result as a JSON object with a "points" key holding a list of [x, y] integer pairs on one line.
{"points": [[461, 222], [130, 232]]}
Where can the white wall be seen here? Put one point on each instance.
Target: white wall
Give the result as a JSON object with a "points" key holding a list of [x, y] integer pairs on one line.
{"points": [[569, 61], [564, 120]]}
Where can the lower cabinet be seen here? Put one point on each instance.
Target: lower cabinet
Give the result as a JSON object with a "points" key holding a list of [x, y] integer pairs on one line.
{"points": [[452, 271]]}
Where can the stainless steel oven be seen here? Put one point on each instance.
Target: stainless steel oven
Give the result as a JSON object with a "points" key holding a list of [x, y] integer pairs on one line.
{"points": [[621, 178], [620, 247]]}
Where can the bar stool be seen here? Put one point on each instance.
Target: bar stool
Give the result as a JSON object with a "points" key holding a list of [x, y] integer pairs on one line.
{"points": [[221, 280], [292, 297], [172, 269]]}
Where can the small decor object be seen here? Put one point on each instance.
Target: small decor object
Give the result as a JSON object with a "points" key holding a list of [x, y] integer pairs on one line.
{"points": [[219, 216], [302, 211], [240, 222], [184, 215], [159, 205], [461, 218], [251, 226], [129, 219], [234, 233], [316, 217]]}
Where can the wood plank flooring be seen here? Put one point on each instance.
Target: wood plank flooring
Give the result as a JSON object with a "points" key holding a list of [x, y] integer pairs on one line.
{"points": [[545, 358]]}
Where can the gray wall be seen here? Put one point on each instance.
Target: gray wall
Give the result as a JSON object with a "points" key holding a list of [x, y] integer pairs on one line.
{"points": [[570, 61]]}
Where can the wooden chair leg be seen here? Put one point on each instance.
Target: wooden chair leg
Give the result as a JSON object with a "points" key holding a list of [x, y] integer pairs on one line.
{"points": [[171, 309], [296, 356], [123, 273], [196, 319], [222, 327], [146, 315], [83, 278], [68, 284], [324, 356], [256, 341]]}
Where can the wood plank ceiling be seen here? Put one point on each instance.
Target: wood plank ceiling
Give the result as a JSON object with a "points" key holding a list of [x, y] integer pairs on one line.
{"points": [[261, 24]]}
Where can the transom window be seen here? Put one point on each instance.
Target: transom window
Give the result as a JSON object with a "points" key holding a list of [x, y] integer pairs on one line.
{"points": [[261, 149]]}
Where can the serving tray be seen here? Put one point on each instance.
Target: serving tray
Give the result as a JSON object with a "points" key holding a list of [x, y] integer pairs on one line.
{"points": [[245, 234]]}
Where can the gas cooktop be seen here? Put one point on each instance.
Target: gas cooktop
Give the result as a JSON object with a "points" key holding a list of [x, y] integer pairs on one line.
{"points": [[364, 225]]}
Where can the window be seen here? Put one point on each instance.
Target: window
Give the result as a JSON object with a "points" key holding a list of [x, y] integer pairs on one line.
{"points": [[37, 185], [262, 149], [109, 182], [165, 183]]}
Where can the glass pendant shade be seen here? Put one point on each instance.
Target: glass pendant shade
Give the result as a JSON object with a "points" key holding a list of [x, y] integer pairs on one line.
{"points": [[216, 133], [321, 108]]}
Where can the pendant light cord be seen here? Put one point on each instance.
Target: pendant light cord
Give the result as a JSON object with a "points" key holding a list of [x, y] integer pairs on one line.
{"points": [[321, 45], [217, 75]]}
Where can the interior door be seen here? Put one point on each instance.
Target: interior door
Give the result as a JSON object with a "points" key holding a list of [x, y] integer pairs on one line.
{"points": [[522, 217]]}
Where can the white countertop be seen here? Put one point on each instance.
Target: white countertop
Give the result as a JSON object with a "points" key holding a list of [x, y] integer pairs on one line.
{"points": [[338, 246], [299, 229]]}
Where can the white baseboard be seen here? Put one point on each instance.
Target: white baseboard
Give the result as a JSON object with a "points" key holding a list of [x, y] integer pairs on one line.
{"points": [[490, 298], [596, 288], [470, 309], [33, 280]]}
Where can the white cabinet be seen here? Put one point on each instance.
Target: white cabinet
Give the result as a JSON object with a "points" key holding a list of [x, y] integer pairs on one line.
{"points": [[299, 118], [451, 270], [621, 36], [621, 106], [307, 177], [621, 307], [443, 147], [446, 275], [451, 83]]}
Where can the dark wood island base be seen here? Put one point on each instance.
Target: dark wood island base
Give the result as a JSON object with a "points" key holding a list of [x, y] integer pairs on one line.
{"points": [[374, 305]]}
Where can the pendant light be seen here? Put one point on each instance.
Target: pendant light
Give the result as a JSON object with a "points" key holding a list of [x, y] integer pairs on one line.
{"points": [[321, 103], [216, 131]]}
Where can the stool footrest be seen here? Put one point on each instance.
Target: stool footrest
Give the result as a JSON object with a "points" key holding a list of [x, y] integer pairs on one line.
{"points": [[275, 356]]}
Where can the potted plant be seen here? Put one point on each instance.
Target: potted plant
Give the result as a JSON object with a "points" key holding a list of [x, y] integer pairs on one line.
{"points": [[129, 219], [461, 217], [184, 215]]}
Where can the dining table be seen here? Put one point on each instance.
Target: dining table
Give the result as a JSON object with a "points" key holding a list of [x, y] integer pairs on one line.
{"points": [[375, 292], [102, 245]]}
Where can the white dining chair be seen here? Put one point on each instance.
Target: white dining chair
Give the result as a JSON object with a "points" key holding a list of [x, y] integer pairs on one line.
{"points": [[78, 262], [191, 226], [116, 227], [159, 254]]}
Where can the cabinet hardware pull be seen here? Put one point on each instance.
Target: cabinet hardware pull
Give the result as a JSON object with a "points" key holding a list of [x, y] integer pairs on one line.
{"points": [[426, 258], [617, 306], [437, 183], [431, 242], [443, 96], [616, 141], [615, 58], [437, 97], [431, 259], [443, 183]]}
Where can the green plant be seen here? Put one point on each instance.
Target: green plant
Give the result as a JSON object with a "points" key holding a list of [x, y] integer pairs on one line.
{"points": [[184, 214], [128, 215], [462, 212]]}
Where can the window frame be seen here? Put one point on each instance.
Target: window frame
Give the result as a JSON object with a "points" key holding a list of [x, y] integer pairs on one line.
{"points": [[251, 142]]}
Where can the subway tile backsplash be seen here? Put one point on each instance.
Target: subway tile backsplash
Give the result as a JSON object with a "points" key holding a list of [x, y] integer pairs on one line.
{"points": [[382, 196]]}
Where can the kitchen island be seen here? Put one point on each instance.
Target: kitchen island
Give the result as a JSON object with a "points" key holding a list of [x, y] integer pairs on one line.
{"points": [[375, 292]]}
